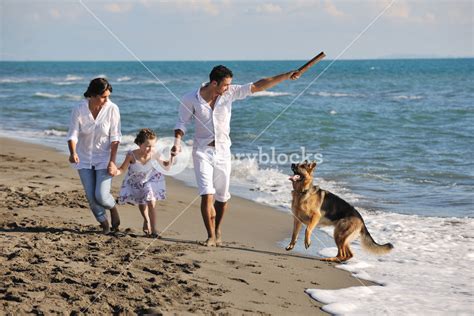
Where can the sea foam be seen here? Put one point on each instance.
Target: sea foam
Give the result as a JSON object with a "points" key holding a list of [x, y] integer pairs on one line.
{"points": [[124, 78], [270, 94], [335, 94], [429, 270], [73, 78], [46, 95]]}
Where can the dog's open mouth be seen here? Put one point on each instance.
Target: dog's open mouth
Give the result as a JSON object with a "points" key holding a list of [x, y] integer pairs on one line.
{"points": [[295, 177]]}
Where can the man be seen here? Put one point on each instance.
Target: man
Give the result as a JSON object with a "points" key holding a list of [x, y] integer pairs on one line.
{"points": [[211, 106]]}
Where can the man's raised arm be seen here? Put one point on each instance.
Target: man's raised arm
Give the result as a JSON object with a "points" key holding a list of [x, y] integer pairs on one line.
{"points": [[267, 83]]}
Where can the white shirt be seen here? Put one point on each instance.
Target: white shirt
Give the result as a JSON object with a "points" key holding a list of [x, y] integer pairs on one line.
{"points": [[93, 137], [211, 125]]}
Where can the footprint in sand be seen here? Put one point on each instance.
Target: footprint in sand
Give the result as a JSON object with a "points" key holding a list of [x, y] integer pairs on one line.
{"points": [[152, 271], [239, 280], [259, 291], [13, 296], [68, 297], [112, 272]]}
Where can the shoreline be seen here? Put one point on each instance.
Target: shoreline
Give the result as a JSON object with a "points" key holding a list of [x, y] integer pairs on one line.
{"points": [[249, 274]]}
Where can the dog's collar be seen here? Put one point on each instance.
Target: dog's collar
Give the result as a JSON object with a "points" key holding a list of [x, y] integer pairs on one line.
{"points": [[315, 188], [302, 192]]}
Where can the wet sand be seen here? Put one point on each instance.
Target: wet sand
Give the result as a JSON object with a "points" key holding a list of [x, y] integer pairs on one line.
{"points": [[54, 260]]}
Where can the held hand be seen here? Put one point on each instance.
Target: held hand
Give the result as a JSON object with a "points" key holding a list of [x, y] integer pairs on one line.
{"points": [[112, 168], [74, 158], [175, 150], [294, 75]]}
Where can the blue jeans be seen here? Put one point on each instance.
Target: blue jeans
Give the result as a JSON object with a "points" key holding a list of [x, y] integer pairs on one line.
{"points": [[97, 184]]}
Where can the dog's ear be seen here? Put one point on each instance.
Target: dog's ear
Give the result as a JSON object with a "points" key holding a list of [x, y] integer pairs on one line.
{"points": [[312, 166]]}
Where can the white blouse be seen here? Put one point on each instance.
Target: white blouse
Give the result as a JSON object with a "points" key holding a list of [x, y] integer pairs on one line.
{"points": [[94, 137]]}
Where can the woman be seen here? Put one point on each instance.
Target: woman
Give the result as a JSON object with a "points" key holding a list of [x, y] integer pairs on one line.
{"points": [[93, 139]]}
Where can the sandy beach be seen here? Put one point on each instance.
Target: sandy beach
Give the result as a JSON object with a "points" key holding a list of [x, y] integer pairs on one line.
{"points": [[55, 261]]}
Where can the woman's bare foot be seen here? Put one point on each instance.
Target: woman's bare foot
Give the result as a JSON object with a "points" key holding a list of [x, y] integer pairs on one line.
{"points": [[210, 242], [114, 215], [105, 227]]}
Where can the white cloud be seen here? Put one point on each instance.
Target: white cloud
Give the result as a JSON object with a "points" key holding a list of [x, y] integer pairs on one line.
{"points": [[36, 17], [146, 3], [330, 8], [55, 13], [64, 13], [268, 8], [118, 8], [306, 3], [461, 14], [206, 6], [401, 10], [428, 18]]}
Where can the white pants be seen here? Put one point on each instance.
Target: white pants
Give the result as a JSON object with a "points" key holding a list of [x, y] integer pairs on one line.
{"points": [[212, 172]]}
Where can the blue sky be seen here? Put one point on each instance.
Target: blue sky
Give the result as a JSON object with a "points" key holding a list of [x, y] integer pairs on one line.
{"points": [[234, 30]]}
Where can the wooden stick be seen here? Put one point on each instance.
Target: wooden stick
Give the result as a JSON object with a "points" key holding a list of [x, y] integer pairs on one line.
{"points": [[310, 63]]}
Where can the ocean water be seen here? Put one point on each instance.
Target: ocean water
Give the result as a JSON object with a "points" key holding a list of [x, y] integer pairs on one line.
{"points": [[392, 137]]}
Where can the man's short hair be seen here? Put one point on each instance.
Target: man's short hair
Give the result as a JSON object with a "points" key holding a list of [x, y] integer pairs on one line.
{"points": [[219, 73]]}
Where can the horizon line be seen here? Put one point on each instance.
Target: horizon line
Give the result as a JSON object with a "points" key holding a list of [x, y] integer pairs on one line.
{"points": [[239, 60]]}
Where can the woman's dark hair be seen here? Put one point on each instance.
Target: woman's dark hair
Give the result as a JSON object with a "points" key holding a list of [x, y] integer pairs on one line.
{"points": [[143, 135], [220, 72], [97, 87]]}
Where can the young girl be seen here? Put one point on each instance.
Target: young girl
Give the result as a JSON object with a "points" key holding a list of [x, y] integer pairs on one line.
{"points": [[144, 184]]}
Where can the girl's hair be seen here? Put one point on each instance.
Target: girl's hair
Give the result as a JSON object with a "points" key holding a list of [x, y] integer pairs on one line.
{"points": [[143, 135], [97, 87]]}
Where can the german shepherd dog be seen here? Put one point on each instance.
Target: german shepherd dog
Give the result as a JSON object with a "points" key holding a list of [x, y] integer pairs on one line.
{"points": [[312, 206]]}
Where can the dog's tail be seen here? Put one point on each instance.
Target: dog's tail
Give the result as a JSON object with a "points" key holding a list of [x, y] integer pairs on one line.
{"points": [[370, 245]]}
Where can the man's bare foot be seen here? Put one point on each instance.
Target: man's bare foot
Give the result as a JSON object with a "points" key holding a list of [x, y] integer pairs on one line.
{"points": [[218, 240], [210, 242]]}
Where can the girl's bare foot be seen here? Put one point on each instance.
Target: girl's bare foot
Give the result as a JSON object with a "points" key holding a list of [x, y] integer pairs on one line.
{"points": [[146, 228], [155, 235], [210, 242]]}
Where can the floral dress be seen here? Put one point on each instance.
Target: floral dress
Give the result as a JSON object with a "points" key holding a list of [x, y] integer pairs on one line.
{"points": [[143, 183]]}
